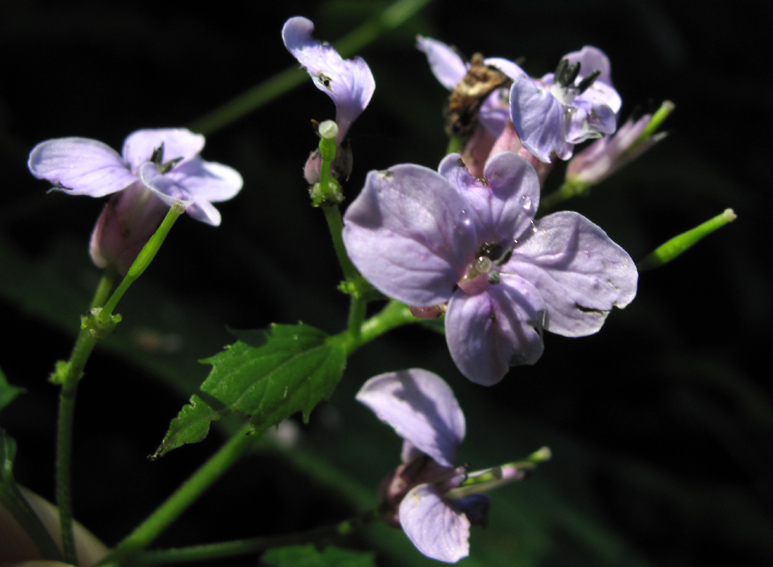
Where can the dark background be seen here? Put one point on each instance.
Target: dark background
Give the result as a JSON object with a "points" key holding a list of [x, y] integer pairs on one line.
{"points": [[660, 424]]}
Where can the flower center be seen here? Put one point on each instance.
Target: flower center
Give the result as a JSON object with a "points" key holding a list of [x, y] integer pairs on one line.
{"points": [[563, 88], [488, 258], [157, 157]]}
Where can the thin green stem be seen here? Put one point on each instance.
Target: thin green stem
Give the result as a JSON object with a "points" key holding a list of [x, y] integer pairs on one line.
{"points": [[180, 500], [71, 373], [391, 18], [395, 314], [335, 224], [254, 545], [144, 258]]}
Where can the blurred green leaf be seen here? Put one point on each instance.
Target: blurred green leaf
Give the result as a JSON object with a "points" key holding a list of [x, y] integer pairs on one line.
{"points": [[290, 368], [7, 392], [309, 556]]}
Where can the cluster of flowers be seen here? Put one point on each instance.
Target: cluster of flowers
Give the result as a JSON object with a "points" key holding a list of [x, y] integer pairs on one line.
{"points": [[463, 240]]}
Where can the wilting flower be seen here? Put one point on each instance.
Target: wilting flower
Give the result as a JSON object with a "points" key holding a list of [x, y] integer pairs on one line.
{"points": [[564, 108], [348, 82], [155, 168], [426, 238], [422, 409], [605, 156]]}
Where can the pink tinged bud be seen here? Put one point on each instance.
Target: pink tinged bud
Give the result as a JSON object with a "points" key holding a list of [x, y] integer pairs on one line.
{"points": [[428, 313], [126, 223], [312, 168]]}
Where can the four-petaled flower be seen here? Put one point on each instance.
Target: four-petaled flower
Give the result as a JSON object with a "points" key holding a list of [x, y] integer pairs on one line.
{"points": [[155, 168], [349, 82], [422, 409], [426, 238], [564, 108]]}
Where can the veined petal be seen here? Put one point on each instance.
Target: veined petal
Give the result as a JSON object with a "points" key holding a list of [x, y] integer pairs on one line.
{"points": [[539, 120], [506, 203], [178, 143], [410, 233], [421, 408], [434, 526], [446, 64], [349, 82], [579, 271], [80, 166], [206, 180], [491, 331]]}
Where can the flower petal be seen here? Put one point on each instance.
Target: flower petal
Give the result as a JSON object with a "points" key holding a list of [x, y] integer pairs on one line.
{"points": [[178, 143], [495, 329], [579, 271], [80, 166], [434, 526], [349, 82], [167, 188], [505, 203], [206, 180], [410, 234], [593, 59], [421, 408], [446, 64], [539, 120]]}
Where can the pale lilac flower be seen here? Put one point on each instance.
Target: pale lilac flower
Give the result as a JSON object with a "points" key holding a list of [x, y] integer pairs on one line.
{"points": [[425, 238], [564, 108], [349, 82], [422, 409], [605, 156], [155, 168]]}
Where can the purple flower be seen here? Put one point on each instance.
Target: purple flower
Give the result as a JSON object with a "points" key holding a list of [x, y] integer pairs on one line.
{"points": [[348, 82], [422, 409], [425, 237], [156, 167], [574, 104]]}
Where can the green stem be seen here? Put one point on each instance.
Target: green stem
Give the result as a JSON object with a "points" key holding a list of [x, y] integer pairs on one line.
{"points": [[395, 314], [144, 258], [256, 544], [72, 371], [180, 500], [97, 324], [391, 18], [570, 188]]}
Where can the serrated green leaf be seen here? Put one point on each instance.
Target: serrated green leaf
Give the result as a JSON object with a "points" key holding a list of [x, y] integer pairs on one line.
{"points": [[293, 369], [309, 556], [7, 392]]}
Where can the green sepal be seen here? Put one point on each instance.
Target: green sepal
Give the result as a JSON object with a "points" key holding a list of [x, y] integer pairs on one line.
{"points": [[267, 376], [310, 556]]}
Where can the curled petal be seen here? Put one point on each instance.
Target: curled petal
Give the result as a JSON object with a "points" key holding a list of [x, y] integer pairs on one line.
{"points": [[588, 120], [410, 233], [538, 118], [80, 166], [446, 64], [178, 143], [206, 180], [434, 526], [167, 188], [579, 271], [421, 408], [204, 211], [492, 330], [349, 82], [506, 203]]}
